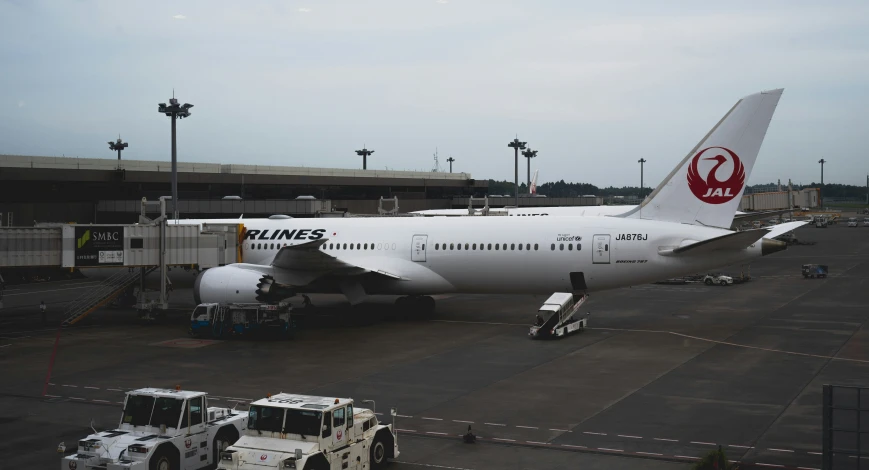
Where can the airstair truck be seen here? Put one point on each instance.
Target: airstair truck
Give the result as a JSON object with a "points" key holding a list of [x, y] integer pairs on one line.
{"points": [[301, 432], [161, 429], [557, 316]]}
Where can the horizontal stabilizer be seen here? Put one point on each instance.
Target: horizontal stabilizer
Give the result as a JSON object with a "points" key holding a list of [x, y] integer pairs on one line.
{"points": [[786, 227], [729, 242]]}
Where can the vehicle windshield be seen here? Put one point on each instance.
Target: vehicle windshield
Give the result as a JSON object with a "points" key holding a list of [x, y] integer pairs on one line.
{"points": [[137, 411], [304, 422], [167, 411], [200, 311], [265, 418]]}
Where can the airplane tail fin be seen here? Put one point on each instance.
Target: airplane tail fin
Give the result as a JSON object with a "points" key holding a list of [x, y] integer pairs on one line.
{"points": [[534, 183], [707, 185]]}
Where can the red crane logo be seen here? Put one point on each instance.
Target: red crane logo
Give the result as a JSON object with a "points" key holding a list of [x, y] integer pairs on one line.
{"points": [[711, 190]]}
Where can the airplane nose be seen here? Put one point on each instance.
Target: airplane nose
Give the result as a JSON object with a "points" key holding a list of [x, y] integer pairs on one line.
{"points": [[196, 297], [769, 246]]}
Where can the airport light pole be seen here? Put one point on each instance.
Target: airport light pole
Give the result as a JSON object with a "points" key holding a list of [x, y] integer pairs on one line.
{"points": [[175, 112], [529, 154], [516, 145], [364, 153], [451, 160], [118, 145], [822, 161], [641, 161]]}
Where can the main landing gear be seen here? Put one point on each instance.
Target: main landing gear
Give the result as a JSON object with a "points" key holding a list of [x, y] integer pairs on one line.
{"points": [[420, 303]]}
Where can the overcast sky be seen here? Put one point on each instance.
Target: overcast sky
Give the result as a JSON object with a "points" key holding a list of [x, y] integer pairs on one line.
{"points": [[592, 85]]}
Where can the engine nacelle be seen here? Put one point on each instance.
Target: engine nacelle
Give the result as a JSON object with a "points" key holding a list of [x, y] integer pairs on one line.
{"points": [[232, 284]]}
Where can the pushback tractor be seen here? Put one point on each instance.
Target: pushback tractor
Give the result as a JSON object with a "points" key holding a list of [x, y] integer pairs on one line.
{"points": [[229, 320], [301, 432], [161, 430], [558, 316]]}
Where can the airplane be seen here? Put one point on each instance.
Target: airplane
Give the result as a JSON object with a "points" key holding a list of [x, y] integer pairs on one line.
{"points": [[681, 228]]}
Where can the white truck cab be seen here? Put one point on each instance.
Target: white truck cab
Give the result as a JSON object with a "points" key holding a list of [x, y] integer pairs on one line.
{"points": [[287, 431], [160, 429]]}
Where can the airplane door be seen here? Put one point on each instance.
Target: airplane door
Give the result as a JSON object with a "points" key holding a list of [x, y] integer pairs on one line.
{"points": [[418, 247], [601, 249]]}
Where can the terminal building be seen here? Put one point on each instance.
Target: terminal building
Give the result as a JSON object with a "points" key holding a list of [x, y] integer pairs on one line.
{"points": [[97, 190]]}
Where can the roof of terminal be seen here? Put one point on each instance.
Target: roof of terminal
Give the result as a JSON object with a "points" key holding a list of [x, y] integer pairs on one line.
{"points": [[77, 163]]}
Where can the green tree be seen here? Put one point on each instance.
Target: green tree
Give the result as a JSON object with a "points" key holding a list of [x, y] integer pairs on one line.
{"points": [[715, 460]]}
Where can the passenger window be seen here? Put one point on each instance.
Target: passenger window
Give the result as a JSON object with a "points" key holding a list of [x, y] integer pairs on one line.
{"points": [[490, 246], [497, 247], [351, 246], [535, 247], [553, 247], [358, 246], [505, 247], [474, 246], [578, 247], [258, 246], [520, 247], [561, 247], [338, 417], [451, 246], [423, 247], [466, 246], [527, 247], [366, 246], [372, 246], [345, 246], [512, 246], [458, 246], [436, 246], [570, 247], [331, 246]]}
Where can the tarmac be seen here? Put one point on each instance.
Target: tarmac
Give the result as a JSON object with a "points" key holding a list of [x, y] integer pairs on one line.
{"points": [[664, 374]]}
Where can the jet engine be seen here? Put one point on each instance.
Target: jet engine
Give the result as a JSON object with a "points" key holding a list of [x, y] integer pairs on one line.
{"points": [[231, 284]]}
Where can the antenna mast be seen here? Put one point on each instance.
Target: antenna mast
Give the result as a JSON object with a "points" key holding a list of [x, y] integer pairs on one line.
{"points": [[437, 165]]}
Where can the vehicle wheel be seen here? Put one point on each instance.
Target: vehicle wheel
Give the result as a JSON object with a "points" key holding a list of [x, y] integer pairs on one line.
{"points": [[378, 453], [709, 282], [723, 283], [166, 457], [224, 438]]}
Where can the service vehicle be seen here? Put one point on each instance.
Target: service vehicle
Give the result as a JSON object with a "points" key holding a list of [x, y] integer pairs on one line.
{"points": [[557, 316], [225, 320], [815, 270], [161, 429], [852, 222], [820, 222], [866, 222], [287, 431], [720, 279]]}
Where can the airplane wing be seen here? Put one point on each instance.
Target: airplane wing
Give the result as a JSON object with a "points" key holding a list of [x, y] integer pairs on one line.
{"points": [[750, 216], [786, 227], [730, 241], [305, 262]]}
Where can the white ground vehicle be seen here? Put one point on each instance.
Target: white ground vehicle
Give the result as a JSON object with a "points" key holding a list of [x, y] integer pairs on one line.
{"points": [[719, 279], [301, 432], [852, 222], [161, 429], [866, 222], [820, 222], [556, 316]]}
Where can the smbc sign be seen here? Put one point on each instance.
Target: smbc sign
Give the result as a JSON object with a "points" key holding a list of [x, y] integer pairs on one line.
{"points": [[99, 246]]}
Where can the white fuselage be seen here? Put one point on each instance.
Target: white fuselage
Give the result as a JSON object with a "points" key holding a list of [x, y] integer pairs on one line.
{"points": [[475, 254]]}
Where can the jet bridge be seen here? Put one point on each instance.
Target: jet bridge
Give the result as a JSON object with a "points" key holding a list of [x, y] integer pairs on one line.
{"points": [[121, 255]]}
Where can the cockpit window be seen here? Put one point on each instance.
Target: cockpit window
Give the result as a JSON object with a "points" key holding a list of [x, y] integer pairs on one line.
{"points": [[167, 411], [304, 422], [264, 418], [137, 412]]}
